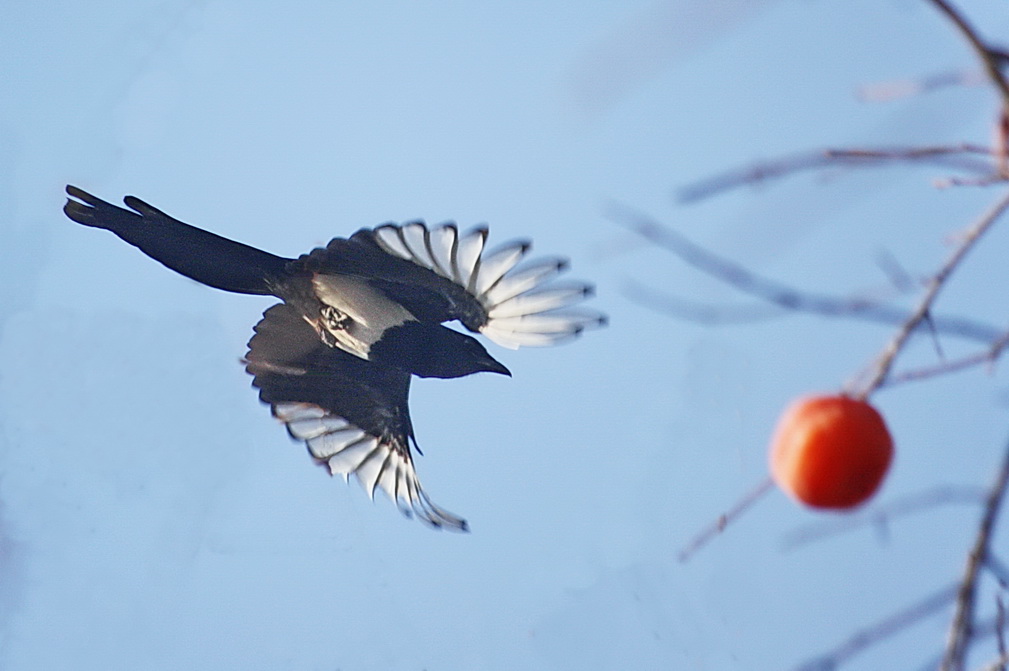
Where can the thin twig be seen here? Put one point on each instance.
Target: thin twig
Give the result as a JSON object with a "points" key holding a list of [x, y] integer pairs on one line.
{"points": [[983, 629], [997, 664], [997, 568], [990, 58], [934, 285], [988, 356], [885, 628], [961, 630], [724, 519], [894, 90], [982, 181], [959, 156], [993, 60], [999, 632], [767, 290], [913, 503], [697, 312]]}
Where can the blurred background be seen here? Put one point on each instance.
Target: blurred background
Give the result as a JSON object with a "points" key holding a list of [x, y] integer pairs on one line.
{"points": [[154, 516]]}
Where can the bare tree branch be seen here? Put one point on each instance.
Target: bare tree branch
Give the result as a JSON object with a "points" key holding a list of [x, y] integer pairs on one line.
{"points": [[696, 312], [934, 285], [723, 520], [961, 157], [961, 631], [983, 629], [985, 180], [1000, 634], [998, 664], [991, 58], [775, 293], [988, 356]]}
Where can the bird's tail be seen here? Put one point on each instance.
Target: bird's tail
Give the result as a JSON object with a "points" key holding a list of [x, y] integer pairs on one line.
{"points": [[190, 251]]}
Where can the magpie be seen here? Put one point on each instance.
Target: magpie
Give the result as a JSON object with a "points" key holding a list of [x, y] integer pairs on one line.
{"points": [[359, 317]]}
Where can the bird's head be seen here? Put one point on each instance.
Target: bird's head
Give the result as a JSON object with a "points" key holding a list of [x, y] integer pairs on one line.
{"points": [[433, 350]]}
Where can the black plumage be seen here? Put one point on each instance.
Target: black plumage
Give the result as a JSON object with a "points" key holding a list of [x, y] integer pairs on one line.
{"points": [[359, 317]]}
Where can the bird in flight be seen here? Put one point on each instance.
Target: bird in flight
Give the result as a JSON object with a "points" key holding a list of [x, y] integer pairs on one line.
{"points": [[359, 317]]}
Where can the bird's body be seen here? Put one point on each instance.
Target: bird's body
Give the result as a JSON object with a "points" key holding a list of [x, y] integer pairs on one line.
{"points": [[359, 317]]}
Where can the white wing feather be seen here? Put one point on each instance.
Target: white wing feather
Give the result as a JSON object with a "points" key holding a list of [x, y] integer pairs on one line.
{"points": [[523, 307], [376, 463]]}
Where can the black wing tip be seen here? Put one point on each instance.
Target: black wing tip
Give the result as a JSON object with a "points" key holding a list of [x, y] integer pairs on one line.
{"points": [[143, 208], [78, 212], [456, 525], [82, 209], [594, 319], [91, 210], [135, 203], [94, 201], [396, 226], [80, 194], [420, 222], [446, 523]]}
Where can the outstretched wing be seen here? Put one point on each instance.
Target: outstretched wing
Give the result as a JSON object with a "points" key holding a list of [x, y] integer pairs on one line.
{"points": [[351, 413], [200, 255], [440, 275]]}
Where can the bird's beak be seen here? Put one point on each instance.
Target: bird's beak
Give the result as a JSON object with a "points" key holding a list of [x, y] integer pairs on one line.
{"points": [[495, 366]]}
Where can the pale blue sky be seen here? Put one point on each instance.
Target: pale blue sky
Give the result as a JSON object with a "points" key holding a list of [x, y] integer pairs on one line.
{"points": [[154, 516]]}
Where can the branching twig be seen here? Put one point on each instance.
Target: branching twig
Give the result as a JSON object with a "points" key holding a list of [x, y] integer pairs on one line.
{"points": [[983, 629], [767, 290], [960, 156], [997, 664], [989, 356], [786, 297], [963, 621], [934, 285]]}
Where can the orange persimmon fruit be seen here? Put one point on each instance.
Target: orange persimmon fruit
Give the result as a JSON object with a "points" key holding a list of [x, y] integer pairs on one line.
{"points": [[830, 451]]}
